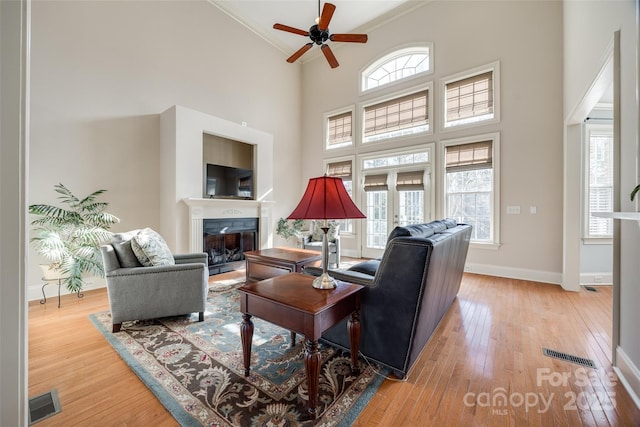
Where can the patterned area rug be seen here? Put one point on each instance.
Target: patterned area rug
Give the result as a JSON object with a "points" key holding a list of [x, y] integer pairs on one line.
{"points": [[196, 371]]}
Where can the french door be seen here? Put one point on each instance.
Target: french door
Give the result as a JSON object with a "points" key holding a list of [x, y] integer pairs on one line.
{"points": [[390, 203]]}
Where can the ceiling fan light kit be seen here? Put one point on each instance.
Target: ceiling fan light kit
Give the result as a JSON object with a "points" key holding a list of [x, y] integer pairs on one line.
{"points": [[319, 34]]}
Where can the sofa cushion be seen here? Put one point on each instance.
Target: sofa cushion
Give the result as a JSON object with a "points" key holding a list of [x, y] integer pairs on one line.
{"points": [[151, 249], [422, 230], [367, 267], [121, 243]]}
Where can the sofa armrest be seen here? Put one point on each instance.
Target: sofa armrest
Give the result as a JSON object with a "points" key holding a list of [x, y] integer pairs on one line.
{"points": [[199, 257], [344, 276]]}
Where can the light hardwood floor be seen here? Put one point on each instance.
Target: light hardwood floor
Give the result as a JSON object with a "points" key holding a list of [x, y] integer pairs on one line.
{"points": [[483, 366]]}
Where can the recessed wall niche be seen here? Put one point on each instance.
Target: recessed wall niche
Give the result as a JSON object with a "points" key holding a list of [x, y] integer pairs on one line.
{"points": [[227, 152]]}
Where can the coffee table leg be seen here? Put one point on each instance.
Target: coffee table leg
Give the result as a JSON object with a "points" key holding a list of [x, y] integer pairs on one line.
{"points": [[353, 326], [312, 368], [293, 339], [246, 335]]}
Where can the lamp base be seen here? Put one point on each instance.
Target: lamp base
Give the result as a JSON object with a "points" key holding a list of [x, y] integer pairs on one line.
{"points": [[324, 281]]}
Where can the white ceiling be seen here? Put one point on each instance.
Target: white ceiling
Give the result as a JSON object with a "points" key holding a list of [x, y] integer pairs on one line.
{"points": [[350, 16]]}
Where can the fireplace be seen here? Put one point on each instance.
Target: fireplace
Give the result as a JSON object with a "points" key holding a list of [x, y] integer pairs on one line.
{"points": [[226, 239]]}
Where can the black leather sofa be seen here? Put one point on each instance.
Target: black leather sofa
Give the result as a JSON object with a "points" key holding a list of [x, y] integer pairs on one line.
{"points": [[407, 292]]}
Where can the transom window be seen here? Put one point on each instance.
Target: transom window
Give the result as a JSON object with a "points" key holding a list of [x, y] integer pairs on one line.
{"points": [[398, 65], [471, 98], [339, 130], [401, 116]]}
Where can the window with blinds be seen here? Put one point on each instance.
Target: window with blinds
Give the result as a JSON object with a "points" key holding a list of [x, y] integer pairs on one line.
{"points": [[340, 130], [600, 181], [343, 169], [410, 181], [376, 182], [471, 97], [405, 115], [340, 169], [470, 187], [476, 155]]}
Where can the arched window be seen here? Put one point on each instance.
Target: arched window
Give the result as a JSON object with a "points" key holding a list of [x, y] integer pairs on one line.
{"points": [[397, 65]]}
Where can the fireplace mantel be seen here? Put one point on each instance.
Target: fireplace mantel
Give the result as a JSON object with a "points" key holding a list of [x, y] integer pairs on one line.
{"points": [[200, 209]]}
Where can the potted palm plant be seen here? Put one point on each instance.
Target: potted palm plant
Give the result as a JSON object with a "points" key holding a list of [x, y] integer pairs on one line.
{"points": [[70, 236]]}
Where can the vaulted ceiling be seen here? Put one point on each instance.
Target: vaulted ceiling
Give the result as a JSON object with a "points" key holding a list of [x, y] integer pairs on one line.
{"points": [[350, 16]]}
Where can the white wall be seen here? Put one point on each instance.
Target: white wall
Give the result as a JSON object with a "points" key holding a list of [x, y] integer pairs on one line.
{"points": [[589, 28], [526, 37], [103, 71]]}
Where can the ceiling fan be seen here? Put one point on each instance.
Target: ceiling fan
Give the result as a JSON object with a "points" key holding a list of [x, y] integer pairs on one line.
{"points": [[319, 34]]}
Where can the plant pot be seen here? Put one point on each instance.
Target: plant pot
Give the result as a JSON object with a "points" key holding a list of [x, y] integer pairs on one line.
{"points": [[50, 274]]}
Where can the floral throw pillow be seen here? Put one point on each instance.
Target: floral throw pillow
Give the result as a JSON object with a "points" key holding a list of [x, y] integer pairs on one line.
{"points": [[151, 249]]}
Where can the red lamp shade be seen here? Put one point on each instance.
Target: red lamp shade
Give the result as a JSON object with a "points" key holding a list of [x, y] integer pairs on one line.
{"points": [[326, 198]]}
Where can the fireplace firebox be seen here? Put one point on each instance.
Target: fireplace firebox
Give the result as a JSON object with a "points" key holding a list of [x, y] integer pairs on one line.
{"points": [[226, 240]]}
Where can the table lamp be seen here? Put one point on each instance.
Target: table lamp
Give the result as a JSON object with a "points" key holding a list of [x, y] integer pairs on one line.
{"points": [[325, 198]]}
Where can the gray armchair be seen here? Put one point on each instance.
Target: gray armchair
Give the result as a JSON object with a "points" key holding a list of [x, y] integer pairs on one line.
{"points": [[138, 292], [313, 240]]}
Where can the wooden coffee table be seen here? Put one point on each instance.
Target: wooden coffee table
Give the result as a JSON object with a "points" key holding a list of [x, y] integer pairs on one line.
{"points": [[291, 302], [267, 263]]}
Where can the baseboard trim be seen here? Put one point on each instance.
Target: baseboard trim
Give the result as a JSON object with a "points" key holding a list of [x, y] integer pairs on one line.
{"points": [[515, 273], [628, 374], [34, 292], [596, 278]]}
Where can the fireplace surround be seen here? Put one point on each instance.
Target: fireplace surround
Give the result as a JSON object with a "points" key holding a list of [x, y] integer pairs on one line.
{"points": [[228, 225]]}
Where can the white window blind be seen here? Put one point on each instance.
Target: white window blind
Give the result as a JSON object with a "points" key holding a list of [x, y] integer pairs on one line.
{"points": [[339, 130], [469, 98], [407, 114], [600, 180]]}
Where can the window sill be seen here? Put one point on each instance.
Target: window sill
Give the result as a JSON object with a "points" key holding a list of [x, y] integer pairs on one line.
{"points": [[487, 246], [597, 240]]}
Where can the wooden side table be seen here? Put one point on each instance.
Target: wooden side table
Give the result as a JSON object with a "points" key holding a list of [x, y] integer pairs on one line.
{"points": [[291, 302], [267, 263]]}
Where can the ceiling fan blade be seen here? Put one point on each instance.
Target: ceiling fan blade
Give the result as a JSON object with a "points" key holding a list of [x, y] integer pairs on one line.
{"points": [[327, 13], [290, 29], [333, 62], [351, 38], [299, 52]]}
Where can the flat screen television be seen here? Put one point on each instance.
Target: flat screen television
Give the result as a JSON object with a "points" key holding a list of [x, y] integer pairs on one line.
{"points": [[228, 182]]}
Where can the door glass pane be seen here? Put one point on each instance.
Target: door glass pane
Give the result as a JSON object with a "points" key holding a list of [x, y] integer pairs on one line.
{"points": [[411, 207], [376, 219]]}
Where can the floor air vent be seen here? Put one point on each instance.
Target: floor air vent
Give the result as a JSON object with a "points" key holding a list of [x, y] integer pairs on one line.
{"points": [[569, 358], [590, 288], [43, 406]]}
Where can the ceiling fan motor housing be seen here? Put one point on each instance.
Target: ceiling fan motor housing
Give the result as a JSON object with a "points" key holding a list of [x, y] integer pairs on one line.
{"points": [[317, 35]]}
